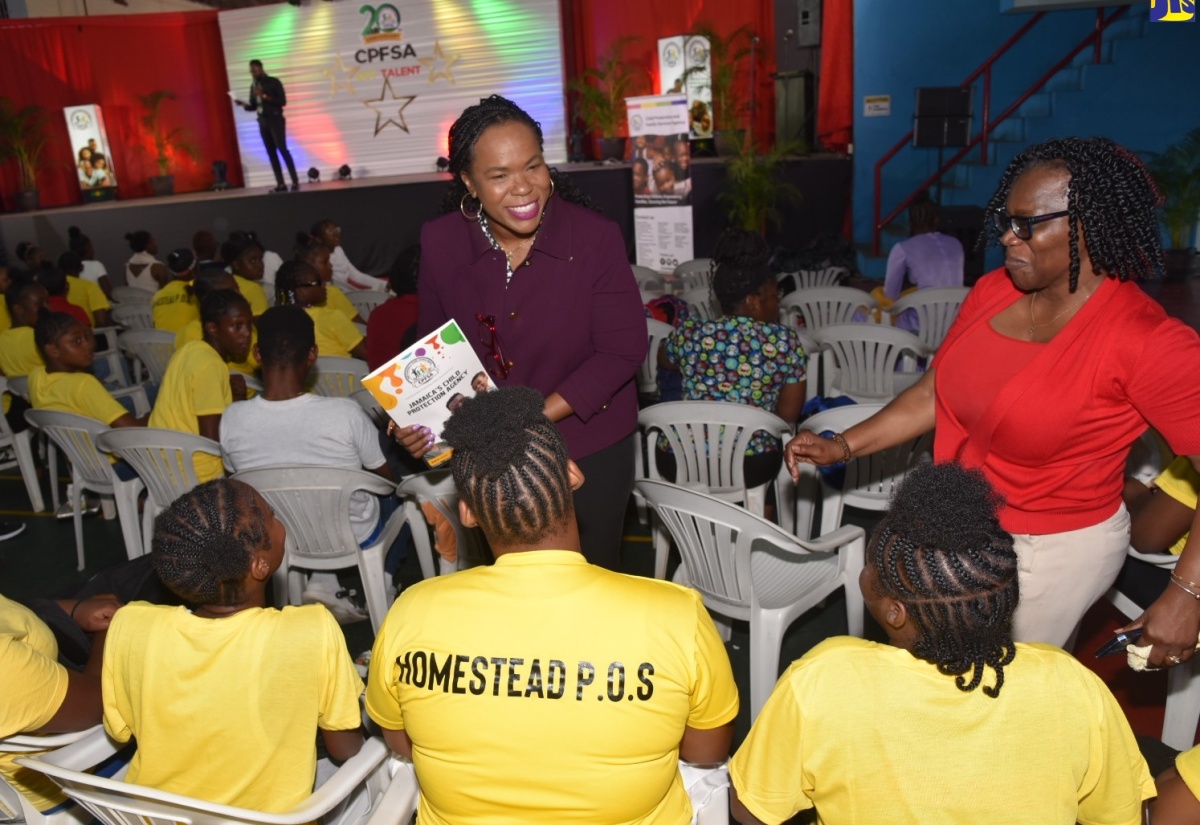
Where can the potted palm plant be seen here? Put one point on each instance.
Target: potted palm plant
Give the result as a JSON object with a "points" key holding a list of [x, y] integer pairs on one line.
{"points": [[165, 144], [727, 54], [601, 92], [1176, 172], [755, 188], [23, 138]]}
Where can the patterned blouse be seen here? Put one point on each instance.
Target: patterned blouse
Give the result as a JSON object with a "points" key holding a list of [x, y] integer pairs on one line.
{"points": [[737, 359]]}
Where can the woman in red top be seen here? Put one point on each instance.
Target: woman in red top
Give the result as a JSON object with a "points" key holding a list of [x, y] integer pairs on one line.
{"points": [[1054, 366]]}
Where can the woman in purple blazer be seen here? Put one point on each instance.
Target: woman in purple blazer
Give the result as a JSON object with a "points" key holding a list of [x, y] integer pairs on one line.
{"points": [[542, 286]]}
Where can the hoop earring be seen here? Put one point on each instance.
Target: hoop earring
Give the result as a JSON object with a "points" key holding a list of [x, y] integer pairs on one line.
{"points": [[548, 197], [462, 207]]}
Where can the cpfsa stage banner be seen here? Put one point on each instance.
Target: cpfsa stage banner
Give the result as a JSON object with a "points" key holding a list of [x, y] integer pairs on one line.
{"points": [[377, 86], [660, 155]]}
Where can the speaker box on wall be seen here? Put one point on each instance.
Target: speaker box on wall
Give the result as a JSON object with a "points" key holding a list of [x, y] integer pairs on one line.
{"points": [[942, 117]]}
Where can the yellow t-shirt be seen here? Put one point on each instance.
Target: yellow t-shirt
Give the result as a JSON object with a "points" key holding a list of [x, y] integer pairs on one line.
{"points": [[35, 686], [1181, 483], [87, 296], [335, 333], [193, 331], [868, 733], [5, 318], [1188, 766], [227, 710], [336, 299], [18, 353], [73, 392], [253, 293], [569, 710], [196, 383], [173, 306]]}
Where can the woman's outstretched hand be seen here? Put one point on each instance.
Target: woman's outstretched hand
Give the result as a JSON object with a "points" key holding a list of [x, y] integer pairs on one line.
{"points": [[809, 448]]}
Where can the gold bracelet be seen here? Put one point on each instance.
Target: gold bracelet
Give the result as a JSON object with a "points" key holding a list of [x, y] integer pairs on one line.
{"points": [[1191, 593], [1182, 580], [841, 440]]}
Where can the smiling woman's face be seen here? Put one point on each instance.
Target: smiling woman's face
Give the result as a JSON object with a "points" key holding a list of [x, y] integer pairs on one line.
{"points": [[509, 176]]}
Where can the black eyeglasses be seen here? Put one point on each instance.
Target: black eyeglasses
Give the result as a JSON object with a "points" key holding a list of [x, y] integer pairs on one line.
{"points": [[1021, 225], [499, 366]]}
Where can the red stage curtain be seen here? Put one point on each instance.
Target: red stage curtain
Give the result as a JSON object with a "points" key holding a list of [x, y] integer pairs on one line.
{"points": [[109, 60], [835, 97], [590, 26]]}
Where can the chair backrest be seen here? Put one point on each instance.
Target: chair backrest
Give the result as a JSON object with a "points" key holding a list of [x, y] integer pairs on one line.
{"points": [[865, 356], [133, 316], [153, 347], [76, 436], [702, 302], [812, 278], [314, 505], [338, 377], [1145, 460], [163, 459], [695, 273], [13, 806], [647, 376], [708, 439], [715, 539], [365, 300], [18, 385], [869, 479], [644, 274], [131, 295], [371, 407], [648, 295], [436, 488], [821, 307], [936, 310]]}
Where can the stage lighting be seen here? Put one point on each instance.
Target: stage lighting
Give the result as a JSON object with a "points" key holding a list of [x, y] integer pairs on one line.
{"points": [[220, 171], [344, 172], [314, 175], [443, 164]]}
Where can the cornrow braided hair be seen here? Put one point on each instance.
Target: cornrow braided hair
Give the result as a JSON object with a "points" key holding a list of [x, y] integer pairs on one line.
{"points": [[1110, 193], [942, 553], [204, 542], [510, 465], [465, 133], [50, 327], [287, 276], [217, 304]]}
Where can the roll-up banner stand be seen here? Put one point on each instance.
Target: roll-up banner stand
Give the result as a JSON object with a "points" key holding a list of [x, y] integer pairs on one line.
{"points": [[660, 155], [90, 154]]}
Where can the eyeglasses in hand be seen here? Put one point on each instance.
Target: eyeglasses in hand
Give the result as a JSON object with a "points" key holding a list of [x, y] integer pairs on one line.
{"points": [[488, 337]]}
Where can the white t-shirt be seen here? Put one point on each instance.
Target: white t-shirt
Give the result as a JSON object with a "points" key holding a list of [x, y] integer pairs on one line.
{"points": [[93, 271], [271, 264], [347, 275], [308, 429]]}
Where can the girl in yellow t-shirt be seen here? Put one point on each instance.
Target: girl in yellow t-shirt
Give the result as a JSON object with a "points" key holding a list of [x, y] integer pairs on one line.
{"points": [[209, 279], [312, 251], [298, 283], [244, 256], [175, 305], [184, 683]]}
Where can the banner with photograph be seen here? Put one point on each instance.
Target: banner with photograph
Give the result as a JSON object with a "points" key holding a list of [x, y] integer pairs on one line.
{"points": [[89, 150], [377, 86], [684, 67], [660, 154]]}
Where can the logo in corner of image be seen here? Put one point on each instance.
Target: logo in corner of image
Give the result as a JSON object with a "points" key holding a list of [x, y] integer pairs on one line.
{"points": [[383, 23], [81, 120], [1172, 11], [420, 370]]}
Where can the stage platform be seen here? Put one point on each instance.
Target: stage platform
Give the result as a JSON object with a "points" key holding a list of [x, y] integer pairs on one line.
{"points": [[381, 216]]}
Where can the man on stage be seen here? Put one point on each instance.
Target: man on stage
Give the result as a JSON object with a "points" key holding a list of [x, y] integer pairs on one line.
{"points": [[268, 99]]}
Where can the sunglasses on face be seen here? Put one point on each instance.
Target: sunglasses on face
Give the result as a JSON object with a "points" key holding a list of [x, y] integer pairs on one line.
{"points": [[310, 284], [1021, 225]]}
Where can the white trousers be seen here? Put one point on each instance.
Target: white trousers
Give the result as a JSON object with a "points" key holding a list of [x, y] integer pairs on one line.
{"points": [[1063, 574]]}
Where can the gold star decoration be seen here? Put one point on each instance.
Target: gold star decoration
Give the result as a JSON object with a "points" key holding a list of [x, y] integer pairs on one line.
{"points": [[432, 64], [383, 118], [341, 76]]}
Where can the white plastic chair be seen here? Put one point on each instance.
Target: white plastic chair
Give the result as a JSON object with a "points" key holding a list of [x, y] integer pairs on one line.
{"points": [[653, 293], [862, 358], [133, 316], [812, 278], [131, 295], [708, 440], [436, 487], [22, 446], [91, 470], [314, 505], [647, 376], [936, 310], [644, 274], [365, 300], [1183, 681], [163, 460], [702, 302], [747, 568], [13, 804], [821, 307], [151, 348], [695, 273], [359, 784], [869, 480], [338, 377]]}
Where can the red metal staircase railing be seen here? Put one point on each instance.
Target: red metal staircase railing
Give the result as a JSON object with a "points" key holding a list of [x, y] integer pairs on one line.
{"points": [[989, 124]]}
